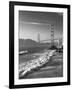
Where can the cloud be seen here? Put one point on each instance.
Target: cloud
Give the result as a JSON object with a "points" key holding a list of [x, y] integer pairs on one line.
{"points": [[35, 23]]}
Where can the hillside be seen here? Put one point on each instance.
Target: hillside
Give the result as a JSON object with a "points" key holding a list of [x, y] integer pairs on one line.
{"points": [[26, 44]]}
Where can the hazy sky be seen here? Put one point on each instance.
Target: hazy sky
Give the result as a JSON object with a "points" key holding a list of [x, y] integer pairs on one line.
{"points": [[32, 23]]}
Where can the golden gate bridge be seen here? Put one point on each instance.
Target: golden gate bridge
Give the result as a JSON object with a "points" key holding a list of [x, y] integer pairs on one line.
{"points": [[52, 39]]}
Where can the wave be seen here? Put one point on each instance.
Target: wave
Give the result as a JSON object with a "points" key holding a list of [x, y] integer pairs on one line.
{"points": [[34, 64]]}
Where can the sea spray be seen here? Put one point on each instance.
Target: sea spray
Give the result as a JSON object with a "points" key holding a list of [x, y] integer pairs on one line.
{"points": [[33, 64]]}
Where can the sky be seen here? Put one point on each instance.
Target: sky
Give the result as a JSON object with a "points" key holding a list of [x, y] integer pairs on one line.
{"points": [[32, 22]]}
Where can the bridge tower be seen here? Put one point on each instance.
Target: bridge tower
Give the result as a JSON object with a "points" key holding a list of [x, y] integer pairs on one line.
{"points": [[38, 37], [52, 35]]}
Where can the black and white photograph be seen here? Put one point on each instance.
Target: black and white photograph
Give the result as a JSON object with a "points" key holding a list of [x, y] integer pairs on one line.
{"points": [[39, 45]]}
